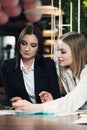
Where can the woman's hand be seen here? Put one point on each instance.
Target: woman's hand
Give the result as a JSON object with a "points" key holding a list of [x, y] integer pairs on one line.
{"points": [[15, 99], [24, 106], [45, 96]]}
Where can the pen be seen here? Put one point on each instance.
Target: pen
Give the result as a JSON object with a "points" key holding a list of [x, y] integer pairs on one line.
{"points": [[11, 108], [82, 112]]}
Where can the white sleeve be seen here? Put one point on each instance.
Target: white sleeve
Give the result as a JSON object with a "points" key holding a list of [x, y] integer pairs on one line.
{"points": [[72, 101]]}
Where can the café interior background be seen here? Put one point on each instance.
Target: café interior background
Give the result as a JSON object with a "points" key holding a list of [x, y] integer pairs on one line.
{"points": [[15, 15]]}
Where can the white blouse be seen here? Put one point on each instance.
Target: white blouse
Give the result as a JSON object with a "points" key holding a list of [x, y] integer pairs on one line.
{"points": [[28, 76], [76, 96]]}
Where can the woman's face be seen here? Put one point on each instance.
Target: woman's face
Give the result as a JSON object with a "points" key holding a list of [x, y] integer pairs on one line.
{"points": [[29, 46], [64, 55]]}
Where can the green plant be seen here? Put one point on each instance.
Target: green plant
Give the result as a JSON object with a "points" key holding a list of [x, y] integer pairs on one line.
{"points": [[83, 18], [65, 5]]}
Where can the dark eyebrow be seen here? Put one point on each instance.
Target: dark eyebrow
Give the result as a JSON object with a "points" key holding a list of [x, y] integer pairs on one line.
{"points": [[29, 43], [34, 43], [23, 40]]}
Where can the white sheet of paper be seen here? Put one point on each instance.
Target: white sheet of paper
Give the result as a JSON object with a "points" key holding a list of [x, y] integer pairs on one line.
{"points": [[83, 115], [82, 120], [66, 114], [7, 112]]}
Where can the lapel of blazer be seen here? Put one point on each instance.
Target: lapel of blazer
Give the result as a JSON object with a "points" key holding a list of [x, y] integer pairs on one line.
{"points": [[20, 80], [38, 80]]}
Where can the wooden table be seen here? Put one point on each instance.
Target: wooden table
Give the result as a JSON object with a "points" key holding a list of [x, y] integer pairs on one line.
{"points": [[9, 122]]}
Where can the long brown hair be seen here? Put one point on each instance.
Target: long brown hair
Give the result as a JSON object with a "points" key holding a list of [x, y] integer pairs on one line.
{"points": [[30, 29], [78, 46]]}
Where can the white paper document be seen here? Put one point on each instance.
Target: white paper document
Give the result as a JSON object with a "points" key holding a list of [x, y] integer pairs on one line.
{"points": [[82, 120], [83, 115], [7, 112]]}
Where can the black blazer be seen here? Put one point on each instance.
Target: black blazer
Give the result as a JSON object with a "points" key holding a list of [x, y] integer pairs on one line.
{"points": [[45, 79]]}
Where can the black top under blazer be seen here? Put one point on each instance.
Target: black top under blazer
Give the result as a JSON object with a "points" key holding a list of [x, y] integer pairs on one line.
{"points": [[45, 77]]}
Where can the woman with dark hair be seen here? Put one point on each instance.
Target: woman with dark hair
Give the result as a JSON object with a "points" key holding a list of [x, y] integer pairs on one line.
{"points": [[29, 75]]}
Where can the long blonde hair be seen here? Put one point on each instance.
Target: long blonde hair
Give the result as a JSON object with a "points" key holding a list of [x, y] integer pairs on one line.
{"points": [[78, 46]]}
